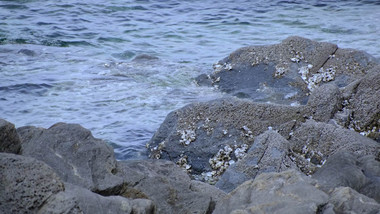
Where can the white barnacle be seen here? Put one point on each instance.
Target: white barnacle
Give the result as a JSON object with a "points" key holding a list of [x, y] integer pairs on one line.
{"points": [[187, 136], [279, 71], [240, 151]]}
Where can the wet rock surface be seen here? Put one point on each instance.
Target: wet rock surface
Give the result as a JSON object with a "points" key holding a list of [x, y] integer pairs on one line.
{"points": [[286, 73]]}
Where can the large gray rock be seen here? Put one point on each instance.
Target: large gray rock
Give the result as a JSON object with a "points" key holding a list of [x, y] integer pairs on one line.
{"points": [[76, 199], [285, 73], [324, 102], [25, 184], [361, 110], [74, 154], [168, 186], [285, 192], [269, 153], [9, 139], [345, 169], [206, 137], [313, 142], [347, 200]]}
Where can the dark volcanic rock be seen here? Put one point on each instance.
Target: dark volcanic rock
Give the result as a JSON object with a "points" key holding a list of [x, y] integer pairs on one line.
{"points": [[269, 153], [285, 73], [168, 186], [313, 142], [344, 169], [25, 184], [9, 139], [204, 137], [285, 192], [74, 154]]}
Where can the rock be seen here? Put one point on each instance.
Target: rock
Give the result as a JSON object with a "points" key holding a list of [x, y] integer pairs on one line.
{"points": [[284, 192], [144, 57], [9, 139], [370, 166], [206, 137], [26, 184], [313, 142], [344, 169], [168, 186], [269, 153], [27, 52], [74, 154], [79, 200], [362, 105], [347, 200], [285, 73], [324, 102]]}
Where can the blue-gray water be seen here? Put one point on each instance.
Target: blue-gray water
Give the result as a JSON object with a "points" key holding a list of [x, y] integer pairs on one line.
{"points": [[70, 61]]}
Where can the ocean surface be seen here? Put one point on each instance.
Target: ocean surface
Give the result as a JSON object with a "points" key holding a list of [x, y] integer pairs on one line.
{"points": [[72, 61]]}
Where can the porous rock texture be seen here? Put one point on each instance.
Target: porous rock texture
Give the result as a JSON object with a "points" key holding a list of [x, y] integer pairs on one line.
{"points": [[345, 169], [361, 110], [347, 200], [141, 186], [285, 192], [286, 73], [76, 199], [25, 183], [269, 153], [313, 142], [75, 155], [9, 139], [218, 130], [168, 186]]}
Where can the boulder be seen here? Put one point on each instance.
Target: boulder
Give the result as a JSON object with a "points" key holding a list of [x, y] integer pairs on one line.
{"points": [[9, 139], [285, 73], [76, 199], [207, 137], [285, 192], [324, 102], [347, 200], [74, 154], [344, 169], [313, 142], [26, 184], [269, 153], [361, 110], [168, 186]]}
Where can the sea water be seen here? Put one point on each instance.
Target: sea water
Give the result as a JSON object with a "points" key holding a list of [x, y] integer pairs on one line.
{"points": [[72, 61]]}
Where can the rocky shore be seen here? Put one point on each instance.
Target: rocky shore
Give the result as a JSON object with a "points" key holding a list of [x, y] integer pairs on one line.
{"points": [[299, 134]]}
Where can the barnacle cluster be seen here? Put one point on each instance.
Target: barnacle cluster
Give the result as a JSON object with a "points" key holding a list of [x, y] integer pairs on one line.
{"points": [[156, 151], [322, 75], [187, 136], [247, 132], [182, 162], [218, 67], [222, 160]]}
